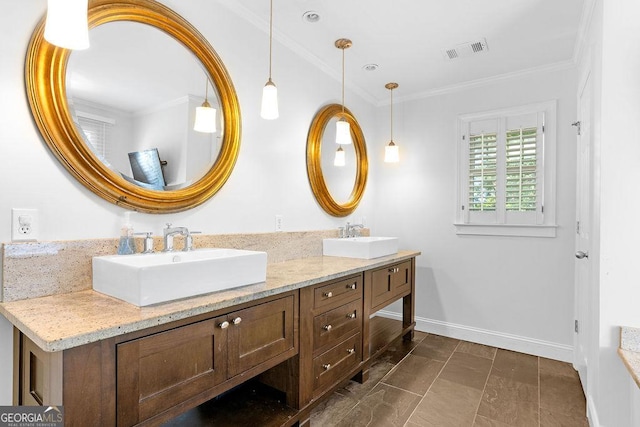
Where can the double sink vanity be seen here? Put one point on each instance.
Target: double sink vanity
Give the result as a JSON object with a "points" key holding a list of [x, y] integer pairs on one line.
{"points": [[182, 330]]}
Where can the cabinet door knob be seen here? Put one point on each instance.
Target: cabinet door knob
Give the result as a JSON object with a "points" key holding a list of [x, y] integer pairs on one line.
{"points": [[328, 294], [351, 350], [224, 325], [327, 327], [351, 315], [351, 286], [237, 320], [326, 366]]}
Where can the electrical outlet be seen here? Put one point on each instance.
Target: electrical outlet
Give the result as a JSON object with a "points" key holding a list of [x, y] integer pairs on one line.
{"points": [[278, 222], [24, 225]]}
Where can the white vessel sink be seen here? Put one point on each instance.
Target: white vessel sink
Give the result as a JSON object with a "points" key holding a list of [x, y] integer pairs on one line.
{"points": [[360, 247], [146, 279]]}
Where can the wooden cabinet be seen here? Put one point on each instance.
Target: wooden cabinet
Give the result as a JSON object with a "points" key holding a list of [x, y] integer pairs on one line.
{"points": [[330, 334], [156, 372], [390, 283], [305, 343], [163, 370], [39, 373]]}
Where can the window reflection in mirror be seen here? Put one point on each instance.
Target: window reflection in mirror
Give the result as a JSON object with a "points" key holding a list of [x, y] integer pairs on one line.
{"points": [[340, 180], [137, 89]]}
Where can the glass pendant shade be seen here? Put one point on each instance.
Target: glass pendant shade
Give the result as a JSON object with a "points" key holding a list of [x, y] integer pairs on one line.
{"points": [[269, 110], [205, 118], [391, 153], [341, 158], [343, 132], [66, 25]]}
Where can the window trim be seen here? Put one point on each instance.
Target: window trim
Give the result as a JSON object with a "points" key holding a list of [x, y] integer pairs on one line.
{"points": [[546, 225]]}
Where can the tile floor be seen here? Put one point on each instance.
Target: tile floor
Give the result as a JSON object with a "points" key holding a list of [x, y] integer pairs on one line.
{"points": [[439, 381]]}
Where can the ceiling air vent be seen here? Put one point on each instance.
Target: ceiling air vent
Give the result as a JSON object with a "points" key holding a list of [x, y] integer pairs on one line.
{"points": [[466, 49]]}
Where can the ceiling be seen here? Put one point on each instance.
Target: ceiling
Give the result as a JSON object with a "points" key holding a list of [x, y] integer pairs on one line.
{"points": [[406, 39]]}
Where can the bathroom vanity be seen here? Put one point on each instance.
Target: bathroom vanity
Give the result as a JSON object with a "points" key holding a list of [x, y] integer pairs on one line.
{"points": [[304, 332]]}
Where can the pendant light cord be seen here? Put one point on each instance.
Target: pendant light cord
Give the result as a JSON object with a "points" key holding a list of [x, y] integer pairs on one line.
{"points": [[206, 90], [391, 115], [270, 35], [343, 80]]}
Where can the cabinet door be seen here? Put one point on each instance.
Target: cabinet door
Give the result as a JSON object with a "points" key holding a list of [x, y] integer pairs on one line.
{"points": [[389, 283], [157, 372], [259, 333]]}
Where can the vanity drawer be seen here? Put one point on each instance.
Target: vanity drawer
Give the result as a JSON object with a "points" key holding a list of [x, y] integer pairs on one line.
{"points": [[389, 283], [337, 292], [334, 364], [330, 327]]}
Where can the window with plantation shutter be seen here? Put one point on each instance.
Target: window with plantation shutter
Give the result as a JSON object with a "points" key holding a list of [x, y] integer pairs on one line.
{"points": [[96, 131], [506, 172]]}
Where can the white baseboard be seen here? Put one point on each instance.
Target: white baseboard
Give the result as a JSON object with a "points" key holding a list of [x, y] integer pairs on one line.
{"points": [[518, 343], [592, 415]]}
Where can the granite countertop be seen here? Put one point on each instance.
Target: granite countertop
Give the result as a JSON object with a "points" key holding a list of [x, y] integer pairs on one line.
{"points": [[629, 351], [63, 321]]}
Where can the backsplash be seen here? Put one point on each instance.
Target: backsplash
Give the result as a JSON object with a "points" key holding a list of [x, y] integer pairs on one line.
{"points": [[31, 270]]}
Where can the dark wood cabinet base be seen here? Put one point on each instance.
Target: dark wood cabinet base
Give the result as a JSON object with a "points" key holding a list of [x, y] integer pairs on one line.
{"points": [[268, 362]]}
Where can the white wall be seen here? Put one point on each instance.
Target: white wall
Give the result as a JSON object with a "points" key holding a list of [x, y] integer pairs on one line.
{"points": [[611, 39], [509, 291], [269, 177]]}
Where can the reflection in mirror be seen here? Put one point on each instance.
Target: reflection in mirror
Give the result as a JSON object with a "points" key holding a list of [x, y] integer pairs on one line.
{"points": [[339, 179], [137, 89]]}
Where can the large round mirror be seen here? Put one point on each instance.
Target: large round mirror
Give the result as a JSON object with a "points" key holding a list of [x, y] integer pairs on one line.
{"points": [[338, 187], [120, 115]]}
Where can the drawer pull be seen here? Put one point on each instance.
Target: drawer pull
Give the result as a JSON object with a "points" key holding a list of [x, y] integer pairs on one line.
{"points": [[237, 320], [326, 366], [328, 294], [327, 327], [394, 270], [351, 286], [351, 350], [224, 325], [351, 315]]}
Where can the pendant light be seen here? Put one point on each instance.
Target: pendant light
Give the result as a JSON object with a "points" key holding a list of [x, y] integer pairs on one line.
{"points": [[269, 110], [66, 24], [205, 115], [340, 159], [391, 151], [343, 130]]}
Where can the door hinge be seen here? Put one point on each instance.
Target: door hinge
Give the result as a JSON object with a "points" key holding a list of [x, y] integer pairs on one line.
{"points": [[542, 209], [577, 227], [462, 207], [575, 326], [576, 124]]}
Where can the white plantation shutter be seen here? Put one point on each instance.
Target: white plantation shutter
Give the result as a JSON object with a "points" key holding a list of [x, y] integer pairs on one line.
{"points": [[502, 168], [96, 130], [482, 171]]}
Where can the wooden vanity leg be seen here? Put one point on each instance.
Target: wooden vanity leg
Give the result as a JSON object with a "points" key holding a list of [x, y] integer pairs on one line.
{"points": [[409, 305], [362, 376]]}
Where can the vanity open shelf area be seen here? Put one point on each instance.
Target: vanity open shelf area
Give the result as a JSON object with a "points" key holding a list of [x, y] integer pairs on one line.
{"points": [[276, 349]]}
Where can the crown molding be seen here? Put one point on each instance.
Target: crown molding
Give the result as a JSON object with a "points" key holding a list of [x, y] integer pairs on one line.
{"points": [[472, 84]]}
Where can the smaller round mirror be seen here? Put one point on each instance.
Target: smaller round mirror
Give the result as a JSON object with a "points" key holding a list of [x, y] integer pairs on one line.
{"points": [[337, 185]]}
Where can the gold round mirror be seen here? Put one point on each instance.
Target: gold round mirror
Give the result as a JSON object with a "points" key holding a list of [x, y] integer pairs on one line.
{"points": [[59, 80], [326, 183]]}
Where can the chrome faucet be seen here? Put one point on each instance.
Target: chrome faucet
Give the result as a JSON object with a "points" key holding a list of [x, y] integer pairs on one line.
{"points": [[353, 230], [168, 234]]}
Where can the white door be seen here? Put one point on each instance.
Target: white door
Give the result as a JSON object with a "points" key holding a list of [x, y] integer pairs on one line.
{"points": [[583, 228]]}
